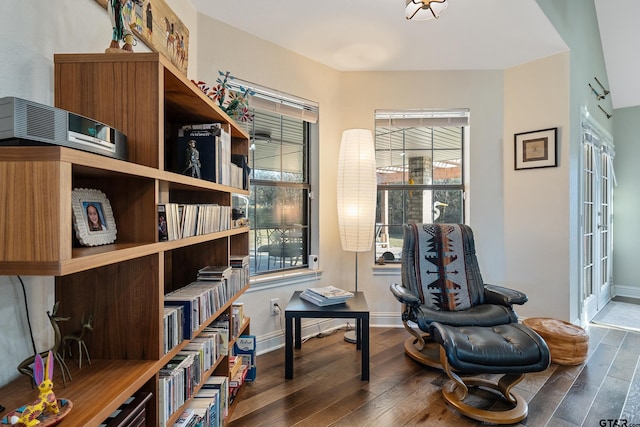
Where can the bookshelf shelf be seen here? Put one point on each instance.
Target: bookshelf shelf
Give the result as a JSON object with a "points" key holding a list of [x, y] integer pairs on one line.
{"points": [[122, 284]]}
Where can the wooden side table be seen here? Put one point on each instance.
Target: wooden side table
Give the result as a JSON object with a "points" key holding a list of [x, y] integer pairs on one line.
{"points": [[354, 308]]}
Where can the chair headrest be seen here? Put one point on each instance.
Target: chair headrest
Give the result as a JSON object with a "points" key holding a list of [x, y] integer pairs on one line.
{"points": [[439, 264]]}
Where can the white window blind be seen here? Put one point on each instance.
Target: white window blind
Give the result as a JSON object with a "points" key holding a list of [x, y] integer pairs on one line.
{"points": [[422, 118], [278, 102]]}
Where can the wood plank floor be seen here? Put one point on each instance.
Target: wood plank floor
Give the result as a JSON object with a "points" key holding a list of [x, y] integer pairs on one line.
{"points": [[327, 390]]}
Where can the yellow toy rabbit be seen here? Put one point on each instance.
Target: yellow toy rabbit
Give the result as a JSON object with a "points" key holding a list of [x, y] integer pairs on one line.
{"points": [[46, 400]]}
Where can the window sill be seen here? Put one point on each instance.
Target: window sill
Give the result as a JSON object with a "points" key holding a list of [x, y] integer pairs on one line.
{"points": [[386, 269], [284, 279]]}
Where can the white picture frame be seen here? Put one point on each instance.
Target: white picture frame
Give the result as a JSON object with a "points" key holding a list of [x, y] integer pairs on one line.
{"points": [[93, 219]]}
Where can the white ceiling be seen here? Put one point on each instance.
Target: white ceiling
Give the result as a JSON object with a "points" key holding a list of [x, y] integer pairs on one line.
{"points": [[367, 35], [620, 32]]}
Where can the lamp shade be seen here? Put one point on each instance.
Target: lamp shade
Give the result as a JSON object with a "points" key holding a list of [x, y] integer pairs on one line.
{"points": [[421, 10], [356, 190]]}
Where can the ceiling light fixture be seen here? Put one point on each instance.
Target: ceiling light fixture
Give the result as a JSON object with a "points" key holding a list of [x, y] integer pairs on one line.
{"points": [[421, 10]]}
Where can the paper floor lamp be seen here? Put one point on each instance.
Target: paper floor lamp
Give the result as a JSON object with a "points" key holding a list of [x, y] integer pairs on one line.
{"points": [[356, 195]]}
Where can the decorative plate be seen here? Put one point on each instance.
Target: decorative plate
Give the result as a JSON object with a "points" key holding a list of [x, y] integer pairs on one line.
{"points": [[46, 418]]}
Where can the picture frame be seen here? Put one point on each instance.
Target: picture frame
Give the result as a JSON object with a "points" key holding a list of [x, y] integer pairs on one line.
{"points": [[536, 149], [93, 219]]}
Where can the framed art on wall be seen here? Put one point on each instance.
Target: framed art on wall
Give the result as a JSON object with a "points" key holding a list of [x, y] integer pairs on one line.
{"points": [[537, 149], [92, 217]]}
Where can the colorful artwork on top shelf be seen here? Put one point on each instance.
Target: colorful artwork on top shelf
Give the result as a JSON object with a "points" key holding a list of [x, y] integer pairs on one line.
{"points": [[153, 22]]}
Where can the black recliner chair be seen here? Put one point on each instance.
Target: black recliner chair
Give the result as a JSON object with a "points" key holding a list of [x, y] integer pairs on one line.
{"points": [[441, 282], [464, 326]]}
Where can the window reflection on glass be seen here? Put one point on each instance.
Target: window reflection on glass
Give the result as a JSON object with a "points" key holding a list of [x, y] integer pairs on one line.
{"points": [[420, 173]]}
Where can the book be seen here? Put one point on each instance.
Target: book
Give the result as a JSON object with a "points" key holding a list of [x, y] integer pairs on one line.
{"points": [[320, 301], [331, 293], [207, 147], [185, 418], [163, 232], [214, 271]]}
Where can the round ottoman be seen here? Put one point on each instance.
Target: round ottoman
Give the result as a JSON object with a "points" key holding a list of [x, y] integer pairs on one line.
{"points": [[568, 343]]}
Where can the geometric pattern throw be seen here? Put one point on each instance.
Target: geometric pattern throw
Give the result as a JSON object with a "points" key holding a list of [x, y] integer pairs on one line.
{"points": [[446, 266]]}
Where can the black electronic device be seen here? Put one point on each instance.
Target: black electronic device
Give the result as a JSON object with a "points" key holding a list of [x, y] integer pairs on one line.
{"points": [[24, 122]]}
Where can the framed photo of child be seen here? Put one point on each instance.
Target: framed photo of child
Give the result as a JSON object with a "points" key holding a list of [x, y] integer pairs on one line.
{"points": [[93, 219]]}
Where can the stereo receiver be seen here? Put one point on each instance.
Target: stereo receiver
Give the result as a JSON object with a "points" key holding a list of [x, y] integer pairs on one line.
{"points": [[24, 122]]}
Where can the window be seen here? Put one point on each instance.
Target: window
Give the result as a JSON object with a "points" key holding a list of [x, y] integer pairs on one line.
{"points": [[420, 171], [279, 206]]}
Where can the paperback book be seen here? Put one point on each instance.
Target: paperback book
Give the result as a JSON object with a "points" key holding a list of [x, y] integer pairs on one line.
{"points": [[327, 295]]}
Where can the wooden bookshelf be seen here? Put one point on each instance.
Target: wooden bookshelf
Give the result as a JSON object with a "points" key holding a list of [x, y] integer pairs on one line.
{"points": [[121, 284]]}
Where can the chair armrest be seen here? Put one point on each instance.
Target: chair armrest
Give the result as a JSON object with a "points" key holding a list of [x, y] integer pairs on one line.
{"points": [[494, 294], [404, 296]]}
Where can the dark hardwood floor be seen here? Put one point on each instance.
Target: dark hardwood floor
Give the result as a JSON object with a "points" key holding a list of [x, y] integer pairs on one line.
{"points": [[327, 390]]}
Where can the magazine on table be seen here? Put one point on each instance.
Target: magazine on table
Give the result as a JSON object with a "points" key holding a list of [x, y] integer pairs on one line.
{"points": [[331, 293], [320, 301]]}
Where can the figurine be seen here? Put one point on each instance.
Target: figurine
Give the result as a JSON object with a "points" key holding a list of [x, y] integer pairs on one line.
{"points": [[25, 366], [193, 160], [121, 30], [79, 338], [47, 398]]}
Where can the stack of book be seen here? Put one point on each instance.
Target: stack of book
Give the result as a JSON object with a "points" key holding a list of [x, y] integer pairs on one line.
{"points": [[327, 295]]}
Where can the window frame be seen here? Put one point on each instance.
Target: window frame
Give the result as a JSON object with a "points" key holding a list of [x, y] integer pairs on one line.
{"points": [[427, 118], [287, 107]]}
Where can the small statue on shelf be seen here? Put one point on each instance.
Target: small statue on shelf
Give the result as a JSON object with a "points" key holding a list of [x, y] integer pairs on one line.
{"points": [[79, 338], [47, 398], [45, 411], [121, 30], [25, 366], [193, 160]]}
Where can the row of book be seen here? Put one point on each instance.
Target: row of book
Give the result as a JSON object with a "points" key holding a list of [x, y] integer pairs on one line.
{"points": [[176, 383], [179, 378], [191, 306], [328, 295], [178, 221], [173, 319], [240, 267], [234, 276], [208, 407], [201, 300]]}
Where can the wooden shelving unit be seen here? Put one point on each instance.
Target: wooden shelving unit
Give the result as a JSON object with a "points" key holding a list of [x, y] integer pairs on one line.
{"points": [[121, 284]]}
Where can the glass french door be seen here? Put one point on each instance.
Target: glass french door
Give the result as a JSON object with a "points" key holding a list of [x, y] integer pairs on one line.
{"points": [[597, 196]]}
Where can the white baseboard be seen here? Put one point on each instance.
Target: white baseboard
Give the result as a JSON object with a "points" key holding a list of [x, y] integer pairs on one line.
{"points": [[626, 291], [275, 340]]}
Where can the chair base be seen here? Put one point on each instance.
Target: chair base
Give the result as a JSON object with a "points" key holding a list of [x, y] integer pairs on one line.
{"points": [[456, 390], [429, 355], [451, 392]]}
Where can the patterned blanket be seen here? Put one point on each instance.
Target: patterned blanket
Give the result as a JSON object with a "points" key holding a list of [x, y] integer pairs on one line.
{"points": [[447, 270]]}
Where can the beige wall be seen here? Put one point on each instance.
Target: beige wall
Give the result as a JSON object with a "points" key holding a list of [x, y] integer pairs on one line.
{"points": [[349, 100], [536, 222]]}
